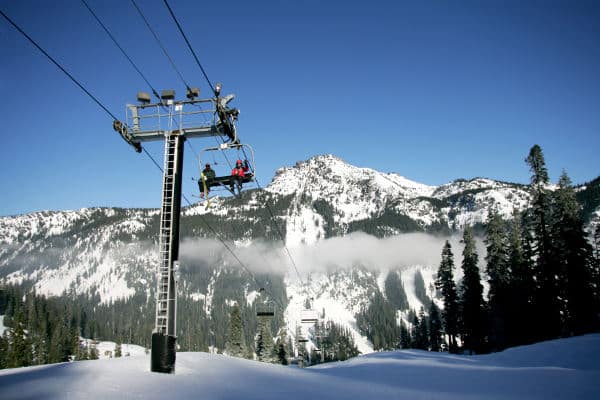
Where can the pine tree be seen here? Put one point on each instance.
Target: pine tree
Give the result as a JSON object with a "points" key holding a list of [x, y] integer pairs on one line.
{"points": [[499, 279], [265, 347], [281, 352], [445, 283], [394, 291], [83, 354], [235, 345], [405, 338], [4, 348], [573, 254], [546, 300], [520, 329], [420, 333], [118, 350], [378, 323], [596, 267], [20, 352], [93, 352], [537, 165], [472, 307], [420, 291], [435, 328]]}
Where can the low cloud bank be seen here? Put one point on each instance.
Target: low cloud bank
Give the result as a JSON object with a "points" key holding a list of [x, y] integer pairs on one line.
{"points": [[356, 249]]}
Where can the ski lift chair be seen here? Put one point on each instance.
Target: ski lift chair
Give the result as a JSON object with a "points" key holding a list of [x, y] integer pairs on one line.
{"points": [[264, 308], [228, 182], [309, 316]]}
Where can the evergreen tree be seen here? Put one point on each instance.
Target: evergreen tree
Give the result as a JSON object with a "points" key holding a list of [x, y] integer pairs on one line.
{"points": [[435, 328], [338, 343], [4, 348], [421, 334], [472, 307], [83, 354], [445, 283], [20, 354], [537, 165], [499, 279], [596, 267], [420, 291], [235, 345], [378, 323], [93, 352], [546, 300], [394, 291], [520, 329], [422, 331], [118, 351], [573, 254], [265, 348], [405, 338], [281, 352]]}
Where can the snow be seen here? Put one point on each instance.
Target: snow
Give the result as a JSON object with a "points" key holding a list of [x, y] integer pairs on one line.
{"points": [[2, 327], [304, 227], [334, 294], [560, 369], [106, 349]]}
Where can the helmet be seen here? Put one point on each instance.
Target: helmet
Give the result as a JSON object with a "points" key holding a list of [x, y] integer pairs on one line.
{"points": [[239, 162]]}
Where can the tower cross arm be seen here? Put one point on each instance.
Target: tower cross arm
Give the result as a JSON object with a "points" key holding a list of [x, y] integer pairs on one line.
{"points": [[193, 132]]}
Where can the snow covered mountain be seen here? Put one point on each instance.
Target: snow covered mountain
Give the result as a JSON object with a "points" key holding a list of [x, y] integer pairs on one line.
{"points": [[357, 195], [319, 206]]}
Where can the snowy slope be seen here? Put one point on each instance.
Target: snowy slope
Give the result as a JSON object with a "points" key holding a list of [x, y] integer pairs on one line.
{"points": [[561, 369]]}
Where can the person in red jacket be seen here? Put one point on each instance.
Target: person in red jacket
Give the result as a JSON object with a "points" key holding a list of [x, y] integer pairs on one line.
{"points": [[238, 173]]}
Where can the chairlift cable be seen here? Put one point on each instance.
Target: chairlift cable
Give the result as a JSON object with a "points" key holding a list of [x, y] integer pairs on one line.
{"points": [[274, 223], [22, 32], [122, 50], [211, 86], [192, 148], [224, 154], [153, 160], [105, 109], [216, 234], [188, 44], [71, 77], [160, 44]]}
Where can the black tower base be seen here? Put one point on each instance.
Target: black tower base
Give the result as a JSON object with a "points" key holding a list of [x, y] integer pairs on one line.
{"points": [[163, 353]]}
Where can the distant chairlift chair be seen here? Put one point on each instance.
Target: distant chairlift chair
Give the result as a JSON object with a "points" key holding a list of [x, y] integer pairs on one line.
{"points": [[264, 308]]}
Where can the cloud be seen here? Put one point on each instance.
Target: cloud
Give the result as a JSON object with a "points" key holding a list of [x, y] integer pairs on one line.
{"points": [[356, 249]]}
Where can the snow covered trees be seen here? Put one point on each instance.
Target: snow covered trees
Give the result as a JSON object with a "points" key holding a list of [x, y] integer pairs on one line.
{"points": [[235, 345], [265, 347]]}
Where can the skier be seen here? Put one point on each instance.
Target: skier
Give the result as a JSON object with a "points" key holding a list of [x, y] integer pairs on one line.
{"points": [[237, 175], [206, 178]]}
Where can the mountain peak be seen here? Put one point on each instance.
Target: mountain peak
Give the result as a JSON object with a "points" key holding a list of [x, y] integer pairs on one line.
{"points": [[330, 170]]}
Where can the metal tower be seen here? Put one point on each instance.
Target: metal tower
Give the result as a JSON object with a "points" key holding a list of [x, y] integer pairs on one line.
{"points": [[174, 122]]}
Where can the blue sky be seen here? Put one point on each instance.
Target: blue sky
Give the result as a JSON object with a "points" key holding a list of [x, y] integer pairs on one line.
{"points": [[432, 90]]}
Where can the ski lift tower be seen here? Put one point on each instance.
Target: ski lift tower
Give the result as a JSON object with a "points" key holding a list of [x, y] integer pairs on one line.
{"points": [[174, 122]]}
